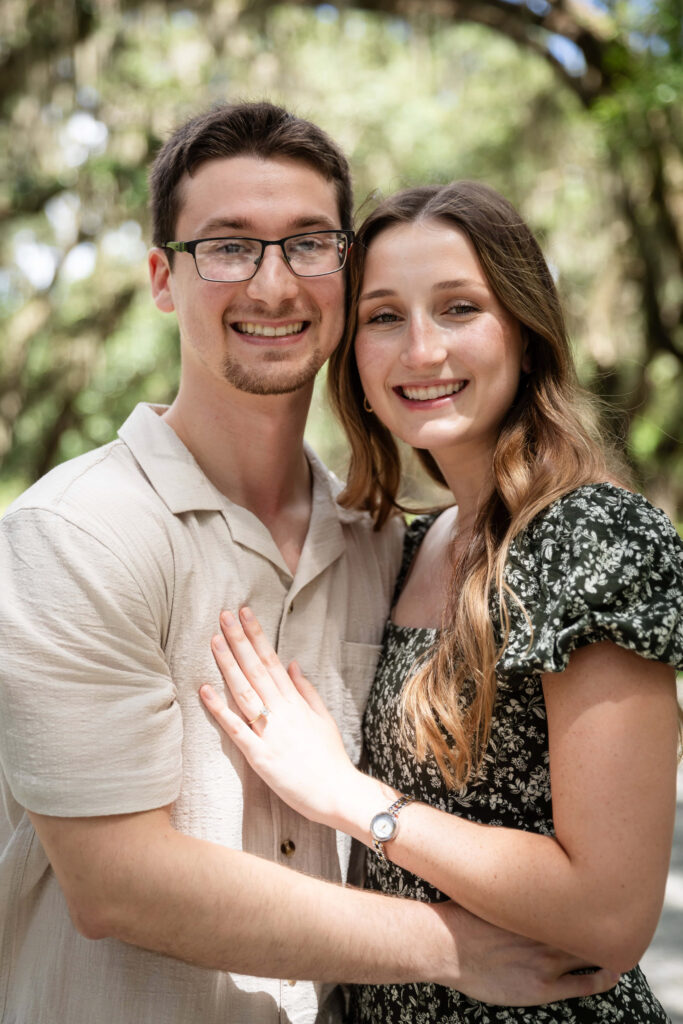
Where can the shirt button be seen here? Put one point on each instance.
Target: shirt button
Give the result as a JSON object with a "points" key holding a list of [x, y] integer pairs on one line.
{"points": [[287, 848], [292, 982]]}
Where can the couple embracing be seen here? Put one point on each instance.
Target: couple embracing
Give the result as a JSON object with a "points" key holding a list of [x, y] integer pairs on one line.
{"points": [[174, 850]]}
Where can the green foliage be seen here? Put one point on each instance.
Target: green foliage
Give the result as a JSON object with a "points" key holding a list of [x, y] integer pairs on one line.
{"points": [[93, 88]]}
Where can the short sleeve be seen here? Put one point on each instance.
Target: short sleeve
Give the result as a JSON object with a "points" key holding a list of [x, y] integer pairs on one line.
{"points": [[90, 723], [600, 564]]}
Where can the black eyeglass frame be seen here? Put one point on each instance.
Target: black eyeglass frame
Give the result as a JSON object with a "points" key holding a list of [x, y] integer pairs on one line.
{"points": [[191, 247]]}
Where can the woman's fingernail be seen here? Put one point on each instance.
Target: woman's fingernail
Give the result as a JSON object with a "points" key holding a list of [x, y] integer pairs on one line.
{"points": [[247, 614], [227, 619], [207, 692], [218, 641]]}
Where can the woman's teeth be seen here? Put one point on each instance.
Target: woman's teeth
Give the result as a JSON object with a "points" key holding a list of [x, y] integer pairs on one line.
{"points": [[416, 394], [264, 331]]}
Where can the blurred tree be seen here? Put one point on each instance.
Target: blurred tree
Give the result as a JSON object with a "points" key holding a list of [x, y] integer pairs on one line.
{"points": [[569, 108], [624, 63]]}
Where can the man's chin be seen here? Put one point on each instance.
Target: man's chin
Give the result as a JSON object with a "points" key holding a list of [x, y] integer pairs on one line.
{"points": [[273, 378]]}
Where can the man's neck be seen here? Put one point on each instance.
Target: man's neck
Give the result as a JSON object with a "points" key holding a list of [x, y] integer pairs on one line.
{"points": [[251, 448]]}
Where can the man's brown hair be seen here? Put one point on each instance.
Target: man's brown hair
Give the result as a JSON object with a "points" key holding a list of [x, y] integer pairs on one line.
{"points": [[242, 129]]}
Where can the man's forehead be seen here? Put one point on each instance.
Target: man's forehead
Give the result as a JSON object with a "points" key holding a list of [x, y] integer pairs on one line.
{"points": [[237, 193]]}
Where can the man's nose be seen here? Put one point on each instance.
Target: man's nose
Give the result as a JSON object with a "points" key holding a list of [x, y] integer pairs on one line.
{"points": [[423, 345], [273, 281]]}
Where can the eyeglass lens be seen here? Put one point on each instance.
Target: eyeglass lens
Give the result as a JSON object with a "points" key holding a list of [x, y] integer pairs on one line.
{"points": [[236, 259]]}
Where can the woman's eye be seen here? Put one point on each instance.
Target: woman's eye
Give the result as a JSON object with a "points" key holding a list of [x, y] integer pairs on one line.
{"points": [[462, 308], [383, 318]]}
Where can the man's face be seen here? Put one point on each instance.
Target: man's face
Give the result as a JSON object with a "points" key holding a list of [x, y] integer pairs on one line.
{"points": [[227, 330]]}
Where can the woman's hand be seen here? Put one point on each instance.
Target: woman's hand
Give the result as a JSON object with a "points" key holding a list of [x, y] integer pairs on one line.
{"points": [[281, 724]]}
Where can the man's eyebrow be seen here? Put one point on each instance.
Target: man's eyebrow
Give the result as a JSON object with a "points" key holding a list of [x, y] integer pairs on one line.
{"points": [[241, 226], [219, 225]]}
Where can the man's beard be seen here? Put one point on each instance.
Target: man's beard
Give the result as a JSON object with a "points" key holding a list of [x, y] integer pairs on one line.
{"points": [[282, 380]]}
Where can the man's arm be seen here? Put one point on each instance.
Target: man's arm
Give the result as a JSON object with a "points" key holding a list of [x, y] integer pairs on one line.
{"points": [[74, 604], [133, 877]]}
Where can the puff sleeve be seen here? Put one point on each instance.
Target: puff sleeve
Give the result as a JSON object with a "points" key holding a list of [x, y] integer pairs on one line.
{"points": [[599, 564]]}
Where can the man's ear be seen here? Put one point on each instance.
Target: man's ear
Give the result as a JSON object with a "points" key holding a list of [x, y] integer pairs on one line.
{"points": [[160, 279]]}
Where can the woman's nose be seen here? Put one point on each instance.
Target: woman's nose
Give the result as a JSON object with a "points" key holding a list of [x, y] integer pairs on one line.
{"points": [[423, 345]]}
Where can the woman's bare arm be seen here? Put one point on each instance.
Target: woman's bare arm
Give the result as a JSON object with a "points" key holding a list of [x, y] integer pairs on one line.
{"points": [[596, 888]]}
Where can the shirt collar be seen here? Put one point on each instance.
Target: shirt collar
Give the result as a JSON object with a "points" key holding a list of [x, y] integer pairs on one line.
{"points": [[167, 463], [180, 483]]}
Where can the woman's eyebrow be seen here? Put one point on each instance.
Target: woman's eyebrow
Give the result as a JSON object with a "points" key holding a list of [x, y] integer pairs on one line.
{"points": [[379, 293], [460, 282], [442, 286]]}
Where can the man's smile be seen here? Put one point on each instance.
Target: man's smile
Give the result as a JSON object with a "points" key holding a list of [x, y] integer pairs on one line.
{"points": [[268, 330]]}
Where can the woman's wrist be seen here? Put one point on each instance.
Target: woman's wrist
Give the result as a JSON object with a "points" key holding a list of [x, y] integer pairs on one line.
{"points": [[361, 800]]}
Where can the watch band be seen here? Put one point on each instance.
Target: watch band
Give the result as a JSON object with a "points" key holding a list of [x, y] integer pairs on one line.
{"points": [[378, 840]]}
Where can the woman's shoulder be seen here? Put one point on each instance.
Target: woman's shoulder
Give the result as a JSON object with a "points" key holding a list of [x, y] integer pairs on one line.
{"points": [[607, 502], [600, 563], [595, 514]]}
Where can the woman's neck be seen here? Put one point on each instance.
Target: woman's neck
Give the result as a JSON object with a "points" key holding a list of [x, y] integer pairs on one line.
{"points": [[469, 476]]}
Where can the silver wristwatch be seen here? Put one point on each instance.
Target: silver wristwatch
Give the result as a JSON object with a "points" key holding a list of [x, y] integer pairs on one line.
{"points": [[384, 826]]}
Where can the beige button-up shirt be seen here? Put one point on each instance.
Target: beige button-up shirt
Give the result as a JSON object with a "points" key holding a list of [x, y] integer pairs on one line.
{"points": [[113, 571]]}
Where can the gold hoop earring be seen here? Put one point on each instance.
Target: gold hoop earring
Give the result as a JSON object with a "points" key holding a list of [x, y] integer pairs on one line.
{"points": [[366, 404]]}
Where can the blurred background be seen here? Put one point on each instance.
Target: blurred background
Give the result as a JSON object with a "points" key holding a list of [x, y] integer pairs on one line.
{"points": [[571, 108]]}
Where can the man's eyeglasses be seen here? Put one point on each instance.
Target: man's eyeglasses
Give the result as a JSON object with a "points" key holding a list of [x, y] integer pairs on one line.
{"points": [[313, 254]]}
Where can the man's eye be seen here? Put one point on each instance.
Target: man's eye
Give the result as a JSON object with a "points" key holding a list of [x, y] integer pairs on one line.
{"points": [[307, 246], [231, 249], [228, 248]]}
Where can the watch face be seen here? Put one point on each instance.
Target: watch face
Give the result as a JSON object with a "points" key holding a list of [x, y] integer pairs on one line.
{"points": [[383, 826]]}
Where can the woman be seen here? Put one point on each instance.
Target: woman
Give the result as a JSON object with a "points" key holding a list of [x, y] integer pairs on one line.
{"points": [[534, 625]]}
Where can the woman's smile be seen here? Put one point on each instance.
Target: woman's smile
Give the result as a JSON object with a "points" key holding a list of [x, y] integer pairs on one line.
{"points": [[428, 395]]}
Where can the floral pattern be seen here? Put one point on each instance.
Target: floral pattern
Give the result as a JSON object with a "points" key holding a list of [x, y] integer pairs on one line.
{"points": [[599, 563]]}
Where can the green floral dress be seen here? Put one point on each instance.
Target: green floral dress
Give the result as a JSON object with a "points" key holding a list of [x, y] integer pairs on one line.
{"points": [[599, 564]]}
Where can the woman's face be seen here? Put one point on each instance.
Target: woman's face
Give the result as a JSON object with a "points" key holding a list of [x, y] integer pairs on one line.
{"points": [[439, 357]]}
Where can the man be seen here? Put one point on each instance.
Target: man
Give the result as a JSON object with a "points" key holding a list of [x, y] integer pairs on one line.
{"points": [[126, 819]]}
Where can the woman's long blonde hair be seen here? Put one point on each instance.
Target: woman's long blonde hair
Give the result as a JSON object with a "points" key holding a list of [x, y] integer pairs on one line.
{"points": [[547, 446]]}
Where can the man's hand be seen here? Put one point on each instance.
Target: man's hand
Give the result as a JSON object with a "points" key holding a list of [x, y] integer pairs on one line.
{"points": [[499, 967]]}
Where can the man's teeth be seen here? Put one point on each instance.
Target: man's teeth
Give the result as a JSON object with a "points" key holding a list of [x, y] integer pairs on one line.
{"points": [[271, 332], [436, 391]]}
